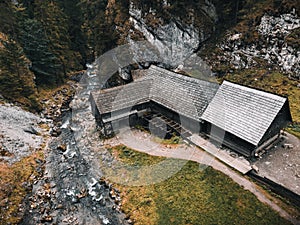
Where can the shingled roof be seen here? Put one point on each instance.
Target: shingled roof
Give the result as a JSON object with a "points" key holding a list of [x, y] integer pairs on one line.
{"points": [[122, 97], [184, 95], [245, 112]]}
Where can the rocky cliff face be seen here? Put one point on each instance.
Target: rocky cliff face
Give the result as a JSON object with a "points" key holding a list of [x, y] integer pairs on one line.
{"points": [[20, 134], [175, 38], [175, 29], [272, 46], [266, 39]]}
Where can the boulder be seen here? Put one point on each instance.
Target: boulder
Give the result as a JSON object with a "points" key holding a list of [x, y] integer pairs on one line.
{"points": [[31, 130]]}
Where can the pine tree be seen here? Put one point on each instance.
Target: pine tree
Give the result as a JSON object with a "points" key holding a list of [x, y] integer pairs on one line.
{"points": [[44, 34], [45, 64], [75, 20], [7, 17], [55, 25], [16, 80], [99, 28], [29, 6]]}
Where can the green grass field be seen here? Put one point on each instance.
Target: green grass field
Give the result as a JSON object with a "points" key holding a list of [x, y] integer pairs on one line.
{"points": [[191, 196]]}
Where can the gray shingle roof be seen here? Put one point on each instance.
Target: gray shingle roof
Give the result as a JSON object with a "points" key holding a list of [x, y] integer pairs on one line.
{"points": [[122, 97], [185, 95], [242, 111]]}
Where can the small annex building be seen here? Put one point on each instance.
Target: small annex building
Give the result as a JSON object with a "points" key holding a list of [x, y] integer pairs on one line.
{"points": [[247, 119], [250, 119]]}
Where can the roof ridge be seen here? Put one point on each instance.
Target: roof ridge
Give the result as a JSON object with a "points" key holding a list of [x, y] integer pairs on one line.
{"points": [[256, 91], [174, 74], [106, 90]]}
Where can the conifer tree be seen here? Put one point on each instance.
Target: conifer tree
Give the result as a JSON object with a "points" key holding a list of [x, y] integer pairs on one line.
{"points": [[99, 28], [55, 25], [16, 80], [45, 64], [7, 17], [75, 20]]}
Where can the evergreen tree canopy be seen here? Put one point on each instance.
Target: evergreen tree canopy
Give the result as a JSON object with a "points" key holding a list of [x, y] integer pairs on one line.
{"points": [[45, 64], [75, 20], [7, 17], [15, 77]]}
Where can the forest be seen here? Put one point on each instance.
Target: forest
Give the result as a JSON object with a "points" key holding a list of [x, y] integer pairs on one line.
{"points": [[42, 43]]}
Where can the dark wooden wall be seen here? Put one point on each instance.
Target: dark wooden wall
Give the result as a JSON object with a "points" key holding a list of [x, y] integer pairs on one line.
{"points": [[188, 123], [221, 137], [280, 121]]}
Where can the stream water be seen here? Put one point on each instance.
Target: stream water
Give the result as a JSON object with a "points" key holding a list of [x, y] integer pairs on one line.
{"points": [[71, 190]]}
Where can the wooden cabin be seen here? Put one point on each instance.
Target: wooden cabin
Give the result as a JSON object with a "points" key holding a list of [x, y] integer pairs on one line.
{"points": [[242, 118]]}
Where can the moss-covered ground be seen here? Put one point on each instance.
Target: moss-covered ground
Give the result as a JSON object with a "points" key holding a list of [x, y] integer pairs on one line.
{"points": [[15, 184]]}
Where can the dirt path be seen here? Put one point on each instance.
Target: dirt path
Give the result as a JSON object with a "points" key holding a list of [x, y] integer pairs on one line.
{"points": [[144, 142]]}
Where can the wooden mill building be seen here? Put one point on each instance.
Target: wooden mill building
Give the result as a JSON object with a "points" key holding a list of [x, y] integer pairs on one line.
{"points": [[242, 118]]}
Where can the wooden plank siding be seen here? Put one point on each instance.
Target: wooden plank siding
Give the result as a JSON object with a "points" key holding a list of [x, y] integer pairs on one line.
{"points": [[281, 120]]}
